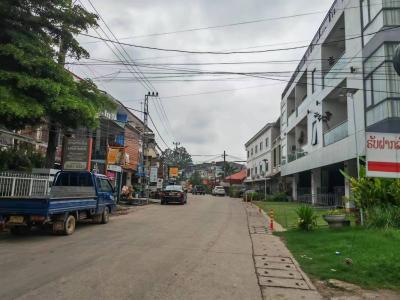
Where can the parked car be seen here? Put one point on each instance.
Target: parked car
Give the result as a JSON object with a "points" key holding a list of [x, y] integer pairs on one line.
{"points": [[173, 193], [219, 191], [74, 196], [198, 190]]}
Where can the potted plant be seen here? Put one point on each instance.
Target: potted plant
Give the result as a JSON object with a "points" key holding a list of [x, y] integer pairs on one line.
{"points": [[335, 218]]}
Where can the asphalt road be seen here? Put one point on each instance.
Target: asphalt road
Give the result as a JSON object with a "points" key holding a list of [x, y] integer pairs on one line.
{"points": [[198, 251]]}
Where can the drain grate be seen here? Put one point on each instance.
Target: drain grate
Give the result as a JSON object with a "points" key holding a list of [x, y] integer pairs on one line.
{"points": [[291, 274], [283, 283]]}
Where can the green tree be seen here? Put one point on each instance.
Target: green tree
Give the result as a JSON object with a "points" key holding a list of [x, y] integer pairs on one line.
{"points": [[178, 157], [35, 38], [195, 179]]}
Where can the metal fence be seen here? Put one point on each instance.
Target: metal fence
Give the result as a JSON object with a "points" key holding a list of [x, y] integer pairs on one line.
{"points": [[325, 200], [14, 184]]}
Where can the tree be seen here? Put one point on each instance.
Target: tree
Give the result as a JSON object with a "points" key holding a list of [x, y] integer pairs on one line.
{"points": [[195, 179], [35, 88], [178, 157]]}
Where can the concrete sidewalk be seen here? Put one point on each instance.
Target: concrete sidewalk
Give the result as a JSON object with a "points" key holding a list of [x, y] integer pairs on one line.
{"points": [[279, 274]]}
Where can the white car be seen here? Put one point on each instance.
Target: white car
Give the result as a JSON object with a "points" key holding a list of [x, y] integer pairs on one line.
{"points": [[218, 191]]}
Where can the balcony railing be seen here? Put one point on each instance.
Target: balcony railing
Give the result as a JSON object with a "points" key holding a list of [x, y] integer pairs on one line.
{"points": [[292, 119], [337, 71], [336, 134], [296, 155]]}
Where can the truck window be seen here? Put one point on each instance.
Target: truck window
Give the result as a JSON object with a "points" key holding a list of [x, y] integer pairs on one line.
{"points": [[74, 179], [104, 185]]}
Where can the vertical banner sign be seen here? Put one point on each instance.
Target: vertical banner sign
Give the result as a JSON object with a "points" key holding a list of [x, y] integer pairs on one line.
{"points": [[153, 174], [383, 155], [76, 154]]}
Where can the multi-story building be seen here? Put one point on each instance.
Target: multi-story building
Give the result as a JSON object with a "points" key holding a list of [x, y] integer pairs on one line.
{"points": [[344, 86], [263, 159]]}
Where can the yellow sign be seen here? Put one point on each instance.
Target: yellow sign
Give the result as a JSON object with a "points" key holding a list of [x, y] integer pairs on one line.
{"points": [[173, 172], [115, 156]]}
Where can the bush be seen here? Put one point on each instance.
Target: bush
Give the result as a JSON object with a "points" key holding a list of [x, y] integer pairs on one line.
{"points": [[234, 192], [20, 160], [307, 217], [278, 197], [372, 192], [383, 217]]}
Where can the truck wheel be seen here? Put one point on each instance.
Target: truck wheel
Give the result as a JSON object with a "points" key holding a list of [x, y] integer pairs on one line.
{"points": [[105, 217], [69, 225]]}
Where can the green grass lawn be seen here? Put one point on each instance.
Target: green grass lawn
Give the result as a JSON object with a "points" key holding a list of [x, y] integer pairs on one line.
{"points": [[375, 255], [285, 213]]}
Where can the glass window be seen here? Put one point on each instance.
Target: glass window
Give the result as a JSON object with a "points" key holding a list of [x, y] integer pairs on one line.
{"points": [[266, 142], [261, 146], [104, 185]]}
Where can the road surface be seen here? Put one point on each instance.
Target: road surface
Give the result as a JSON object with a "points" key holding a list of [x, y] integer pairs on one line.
{"points": [[198, 251]]}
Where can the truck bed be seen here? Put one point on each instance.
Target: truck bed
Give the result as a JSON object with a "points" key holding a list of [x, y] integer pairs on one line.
{"points": [[45, 206]]}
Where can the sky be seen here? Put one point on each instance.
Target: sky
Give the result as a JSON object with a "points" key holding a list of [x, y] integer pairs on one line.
{"points": [[207, 114]]}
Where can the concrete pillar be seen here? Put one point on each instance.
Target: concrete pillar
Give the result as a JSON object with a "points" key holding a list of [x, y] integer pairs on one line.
{"points": [[315, 184], [295, 179]]}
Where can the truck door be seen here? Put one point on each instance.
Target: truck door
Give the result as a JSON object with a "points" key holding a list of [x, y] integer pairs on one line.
{"points": [[105, 192]]}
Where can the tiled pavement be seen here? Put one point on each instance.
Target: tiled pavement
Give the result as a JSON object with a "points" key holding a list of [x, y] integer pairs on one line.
{"points": [[279, 275]]}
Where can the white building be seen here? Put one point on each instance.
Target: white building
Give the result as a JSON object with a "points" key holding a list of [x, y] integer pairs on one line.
{"points": [[263, 159], [344, 86]]}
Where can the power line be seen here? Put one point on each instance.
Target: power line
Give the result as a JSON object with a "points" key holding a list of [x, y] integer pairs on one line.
{"points": [[235, 52]]}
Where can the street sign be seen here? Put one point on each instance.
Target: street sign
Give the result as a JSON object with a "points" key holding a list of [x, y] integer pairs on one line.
{"points": [[153, 174], [383, 155], [160, 182]]}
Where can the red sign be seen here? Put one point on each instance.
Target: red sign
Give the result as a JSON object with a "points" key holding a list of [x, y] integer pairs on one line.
{"points": [[383, 155]]}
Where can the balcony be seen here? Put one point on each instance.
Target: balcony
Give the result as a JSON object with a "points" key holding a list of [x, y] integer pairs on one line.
{"points": [[337, 71], [336, 134]]}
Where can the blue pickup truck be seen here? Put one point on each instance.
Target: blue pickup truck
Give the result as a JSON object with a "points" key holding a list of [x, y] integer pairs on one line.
{"points": [[74, 196]]}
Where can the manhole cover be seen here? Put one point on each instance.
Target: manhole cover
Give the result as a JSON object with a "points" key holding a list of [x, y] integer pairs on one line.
{"points": [[283, 283]]}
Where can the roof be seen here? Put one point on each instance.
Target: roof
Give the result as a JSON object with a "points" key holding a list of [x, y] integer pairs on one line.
{"points": [[258, 134], [240, 176]]}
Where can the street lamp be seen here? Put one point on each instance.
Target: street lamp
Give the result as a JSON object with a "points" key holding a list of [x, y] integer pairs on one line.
{"points": [[265, 182]]}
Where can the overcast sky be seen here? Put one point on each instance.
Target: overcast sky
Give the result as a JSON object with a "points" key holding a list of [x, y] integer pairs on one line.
{"points": [[230, 109]]}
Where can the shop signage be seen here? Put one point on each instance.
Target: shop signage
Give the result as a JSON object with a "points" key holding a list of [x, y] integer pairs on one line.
{"points": [[153, 174], [76, 153], [116, 156], [173, 172], [383, 155]]}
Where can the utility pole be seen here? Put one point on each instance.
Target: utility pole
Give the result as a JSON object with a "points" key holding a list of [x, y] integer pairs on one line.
{"points": [[145, 142], [224, 164]]}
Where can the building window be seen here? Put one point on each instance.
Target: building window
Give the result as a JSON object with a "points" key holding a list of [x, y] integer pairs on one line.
{"points": [[248, 173], [261, 146], [261, 169], [313, 81], [256, 149], [266, 143], [248, 153], [255, 170], [251, 151], [266, 167]]}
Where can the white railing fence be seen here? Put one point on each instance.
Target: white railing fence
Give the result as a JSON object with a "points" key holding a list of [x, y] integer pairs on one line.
{"points": [[13, 184]]}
